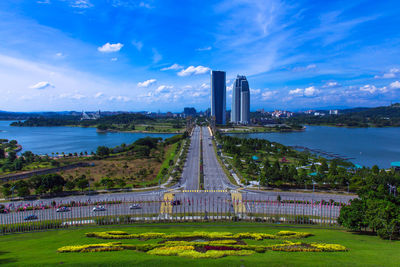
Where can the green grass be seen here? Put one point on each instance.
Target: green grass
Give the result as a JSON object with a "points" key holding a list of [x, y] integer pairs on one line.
{"points": [[169, 155], [39, 249]]}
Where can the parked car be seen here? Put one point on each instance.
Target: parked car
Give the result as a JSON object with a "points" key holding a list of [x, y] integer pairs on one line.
{"points": [[135, 207], [63, 209], [31, 217], [176, 202], [99, 208]]}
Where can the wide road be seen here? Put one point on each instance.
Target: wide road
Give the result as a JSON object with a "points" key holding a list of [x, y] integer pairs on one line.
{"points": [[218, 197], [190, 174], [214, 176]]}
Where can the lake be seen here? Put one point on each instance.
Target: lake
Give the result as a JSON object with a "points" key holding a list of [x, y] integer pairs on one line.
{"points": [[45, 140], [368, 146]]}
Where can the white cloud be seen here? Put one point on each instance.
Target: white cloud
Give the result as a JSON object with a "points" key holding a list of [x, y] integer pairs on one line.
{"points": [[72, 96], [81, 4], [164, 88], [297, 91], [308, 92], [255, 91], [268, 95], [205, 86], [331, 85], [156, 56], [98, 95], [311, 91], [393, 73], [108, 48], [172, 67], [138, 45], [368, 88], [41, 85], [77, 96], [192, 70], [373, 89], [308, 67], [208, 48], [395, 85], [43, 1], [119, 98], [114, 59], [146, 83]]}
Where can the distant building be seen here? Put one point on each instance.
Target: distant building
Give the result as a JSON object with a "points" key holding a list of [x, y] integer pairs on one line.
{"points": [[189, 112], [245, 103], [90, 116], [333, 112], [282, 114], [240, 101], [218, 96]]}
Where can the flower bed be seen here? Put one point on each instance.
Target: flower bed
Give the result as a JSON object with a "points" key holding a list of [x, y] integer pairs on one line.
{"points": [[220, 248], [91, 248], [204, 235], [212, 244]]}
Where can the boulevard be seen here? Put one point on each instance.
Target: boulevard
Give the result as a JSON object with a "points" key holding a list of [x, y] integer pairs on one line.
{"points": [[219, 196]]}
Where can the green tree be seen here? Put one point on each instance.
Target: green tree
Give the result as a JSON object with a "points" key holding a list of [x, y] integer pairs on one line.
{"points": [[6, 190], [22, 188], [353, 216], [103, 151], [70, 185], [82, 183], [12, 156]]}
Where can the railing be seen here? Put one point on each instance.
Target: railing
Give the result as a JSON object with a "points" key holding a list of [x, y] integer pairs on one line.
{"points": [[198, 209]]}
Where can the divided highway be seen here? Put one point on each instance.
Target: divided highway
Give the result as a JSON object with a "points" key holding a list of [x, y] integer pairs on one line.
{"points": [[219, 195]]}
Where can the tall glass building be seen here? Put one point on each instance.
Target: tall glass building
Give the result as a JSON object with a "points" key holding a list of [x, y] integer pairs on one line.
{"points": [[218, 96], [240, 101]]}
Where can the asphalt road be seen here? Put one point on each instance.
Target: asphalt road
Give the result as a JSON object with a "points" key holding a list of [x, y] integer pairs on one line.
{"points": [[214, 176], [190, 174], [219, 197]]}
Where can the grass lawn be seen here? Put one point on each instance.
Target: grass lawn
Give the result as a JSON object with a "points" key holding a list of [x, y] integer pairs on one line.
{"points": [[40, 248]]}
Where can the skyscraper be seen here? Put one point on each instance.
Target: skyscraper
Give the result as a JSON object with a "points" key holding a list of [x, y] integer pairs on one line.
{"points": [[240, 101], [218, 96]]}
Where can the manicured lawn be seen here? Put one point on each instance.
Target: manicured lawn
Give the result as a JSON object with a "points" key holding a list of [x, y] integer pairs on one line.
{"points": [[40, 248]]}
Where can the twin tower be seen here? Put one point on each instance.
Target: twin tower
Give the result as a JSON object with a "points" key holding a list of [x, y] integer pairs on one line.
{"points": [[240, 98]]}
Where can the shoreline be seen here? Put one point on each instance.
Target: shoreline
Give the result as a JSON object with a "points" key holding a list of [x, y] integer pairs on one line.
{"points": [[104, 131], [272, 130]]}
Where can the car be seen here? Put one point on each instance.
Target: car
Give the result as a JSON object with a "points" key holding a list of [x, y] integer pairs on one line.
{"points": [[135, 207], [31, 217], [63, 209], [99, 208], [176, 202]]}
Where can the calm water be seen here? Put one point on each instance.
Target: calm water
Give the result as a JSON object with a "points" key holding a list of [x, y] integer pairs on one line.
{"points": [[368, 146], [45, 140]]}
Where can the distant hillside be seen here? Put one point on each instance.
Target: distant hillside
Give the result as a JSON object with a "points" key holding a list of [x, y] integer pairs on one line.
{"points": [[386, 116], [392, 111], [120, 119]]}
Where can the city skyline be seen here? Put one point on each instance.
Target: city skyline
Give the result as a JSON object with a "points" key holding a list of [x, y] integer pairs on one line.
{"points": [[152, 55]]}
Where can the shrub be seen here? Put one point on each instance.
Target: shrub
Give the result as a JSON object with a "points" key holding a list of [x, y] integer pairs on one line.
{"points": [[214, 254], [91, 248], [169, 251]]}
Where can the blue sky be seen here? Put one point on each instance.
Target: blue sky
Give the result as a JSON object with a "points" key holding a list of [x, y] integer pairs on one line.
{"points": [[156, 55]]}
